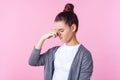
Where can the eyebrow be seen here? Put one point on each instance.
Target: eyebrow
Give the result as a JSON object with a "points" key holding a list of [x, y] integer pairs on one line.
{"points": [[61, 29]]}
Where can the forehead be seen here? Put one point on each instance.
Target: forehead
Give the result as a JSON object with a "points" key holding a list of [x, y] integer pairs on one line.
{"points": [[59, 24]]}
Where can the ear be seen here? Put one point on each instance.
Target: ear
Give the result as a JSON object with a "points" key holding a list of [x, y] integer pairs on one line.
{"points": [[73, 27]]}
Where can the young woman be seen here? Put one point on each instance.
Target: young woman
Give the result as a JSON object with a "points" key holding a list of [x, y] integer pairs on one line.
{"points": [[70, 61]]}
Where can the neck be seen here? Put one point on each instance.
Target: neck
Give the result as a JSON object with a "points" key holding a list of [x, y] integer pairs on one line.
{"points": [[72, 41]]}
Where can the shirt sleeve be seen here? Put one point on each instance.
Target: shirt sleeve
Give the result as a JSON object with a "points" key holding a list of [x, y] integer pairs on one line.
{"points": [[87, 66], [38, 59], [35, 58]]}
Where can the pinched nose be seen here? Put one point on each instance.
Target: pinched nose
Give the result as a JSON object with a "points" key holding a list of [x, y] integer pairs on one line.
{"points": [[58, 33]]}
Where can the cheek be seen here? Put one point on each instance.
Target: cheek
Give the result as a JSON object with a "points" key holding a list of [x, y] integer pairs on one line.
{"points": [[67, 34]]}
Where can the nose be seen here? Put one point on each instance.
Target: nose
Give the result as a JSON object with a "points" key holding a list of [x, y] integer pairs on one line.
{"points": [[58, 33]]}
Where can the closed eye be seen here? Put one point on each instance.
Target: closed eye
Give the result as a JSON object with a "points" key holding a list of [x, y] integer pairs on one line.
{"points": [[61, 30]]}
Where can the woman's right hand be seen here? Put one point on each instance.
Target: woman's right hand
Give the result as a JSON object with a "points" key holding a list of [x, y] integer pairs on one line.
{"points": [[49, 34]]}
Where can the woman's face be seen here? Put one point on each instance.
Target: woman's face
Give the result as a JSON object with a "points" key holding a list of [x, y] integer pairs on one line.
{"points": [[65, 33]]}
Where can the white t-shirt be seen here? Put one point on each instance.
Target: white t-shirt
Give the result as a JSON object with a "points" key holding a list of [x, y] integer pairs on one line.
{"points": [[64, 57]]}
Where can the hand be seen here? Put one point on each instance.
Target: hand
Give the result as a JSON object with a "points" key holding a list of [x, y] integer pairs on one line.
{"points": [[49, 34]]}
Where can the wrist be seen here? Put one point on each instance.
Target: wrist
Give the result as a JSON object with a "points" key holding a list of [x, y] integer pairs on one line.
{"points": [[40, 43]]}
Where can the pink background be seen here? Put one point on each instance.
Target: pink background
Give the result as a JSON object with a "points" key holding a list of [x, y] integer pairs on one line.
{"points": [[22, 22]]}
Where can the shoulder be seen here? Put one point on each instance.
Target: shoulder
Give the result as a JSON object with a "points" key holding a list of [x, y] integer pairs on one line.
{"points": [[84, 50]]}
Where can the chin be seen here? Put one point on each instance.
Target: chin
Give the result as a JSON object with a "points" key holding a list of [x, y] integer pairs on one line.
{"points": [[64, 41]]}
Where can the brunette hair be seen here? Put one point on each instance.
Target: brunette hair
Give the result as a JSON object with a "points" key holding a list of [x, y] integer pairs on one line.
{"points": [[68, 16]]}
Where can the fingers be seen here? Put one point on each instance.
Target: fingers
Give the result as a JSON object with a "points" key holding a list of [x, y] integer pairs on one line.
{"points": [[53, 33], [50, 33]]}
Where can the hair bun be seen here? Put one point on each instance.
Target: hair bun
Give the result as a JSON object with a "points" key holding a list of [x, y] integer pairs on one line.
{"points": [[69, 8]]}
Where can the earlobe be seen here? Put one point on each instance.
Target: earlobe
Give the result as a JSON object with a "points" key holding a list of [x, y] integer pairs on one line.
{"points": [[73, 27]]}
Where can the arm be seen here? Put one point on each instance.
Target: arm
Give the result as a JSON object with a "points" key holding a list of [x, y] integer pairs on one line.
{"points": [[87, 66], [37, 59]]}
